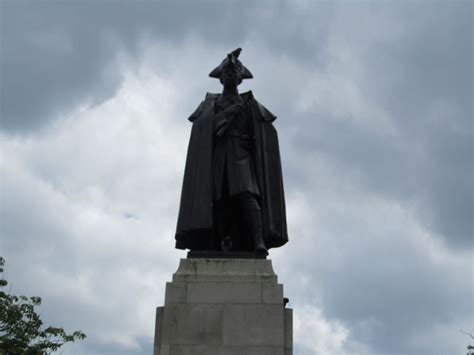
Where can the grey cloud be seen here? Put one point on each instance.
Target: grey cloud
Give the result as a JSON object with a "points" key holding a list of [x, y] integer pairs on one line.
{"points": [[430, 62], [414, 81], [437, 180], [373, 277], [58, 55], [422, 79], [389, 293], [75, 277], [446, 175]]}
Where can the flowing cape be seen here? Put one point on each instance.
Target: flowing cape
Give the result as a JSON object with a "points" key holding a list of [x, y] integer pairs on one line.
{"points": [[195, 219]]}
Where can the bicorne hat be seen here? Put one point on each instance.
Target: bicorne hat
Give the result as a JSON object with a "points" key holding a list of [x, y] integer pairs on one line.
{"points": [[232, 60]]}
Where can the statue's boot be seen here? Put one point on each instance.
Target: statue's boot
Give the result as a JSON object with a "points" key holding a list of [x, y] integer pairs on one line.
{"points": [[252, 218], [255, 219]]}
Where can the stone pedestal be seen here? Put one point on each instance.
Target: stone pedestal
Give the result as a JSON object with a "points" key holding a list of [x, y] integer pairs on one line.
{"points": [[223, 307]]}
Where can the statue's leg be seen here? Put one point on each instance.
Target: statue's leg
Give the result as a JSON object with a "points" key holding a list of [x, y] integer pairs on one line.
{"points": [[223, 223], [252, 217]]}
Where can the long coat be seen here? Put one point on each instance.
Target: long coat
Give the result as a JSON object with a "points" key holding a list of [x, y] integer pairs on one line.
{"points": [[233, 163], [195, 219]]}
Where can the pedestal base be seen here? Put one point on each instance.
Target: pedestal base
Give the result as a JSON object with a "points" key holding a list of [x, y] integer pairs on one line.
{"points": [[225, 255], [224, 307]]}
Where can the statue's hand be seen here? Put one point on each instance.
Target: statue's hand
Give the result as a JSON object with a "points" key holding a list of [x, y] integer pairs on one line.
{"points": [[234, 110], [221, 127], [228, 115]]}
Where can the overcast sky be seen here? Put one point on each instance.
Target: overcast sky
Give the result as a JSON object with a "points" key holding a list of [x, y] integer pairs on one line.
{"points": [[375, 120]]}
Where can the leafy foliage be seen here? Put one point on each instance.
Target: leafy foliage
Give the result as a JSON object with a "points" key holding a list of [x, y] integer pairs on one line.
{"points": [[21, 331]]}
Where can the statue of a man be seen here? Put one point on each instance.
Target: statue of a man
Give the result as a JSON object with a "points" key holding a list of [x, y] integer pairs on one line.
{"points": [[232, 197]]}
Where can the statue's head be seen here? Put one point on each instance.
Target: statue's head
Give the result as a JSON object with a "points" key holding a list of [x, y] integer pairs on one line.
{"points": [[231, 71]]}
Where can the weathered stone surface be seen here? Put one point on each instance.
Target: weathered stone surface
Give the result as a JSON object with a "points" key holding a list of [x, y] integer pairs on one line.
{"points": [[254, 324], [272, 293], [194, 350], [229, 270], [288, 331], [164, 349], [223, 307], [192, 324], [158, 328], [224, 292], [251, 350], [175, 292], [227, 350]]}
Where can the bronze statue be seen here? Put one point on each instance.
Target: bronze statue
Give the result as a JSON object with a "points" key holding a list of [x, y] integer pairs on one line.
{"points": [[232, 197]]}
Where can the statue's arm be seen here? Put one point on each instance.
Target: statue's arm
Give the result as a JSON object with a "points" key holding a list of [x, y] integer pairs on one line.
{"points": [[225, 118], [222, 122]]}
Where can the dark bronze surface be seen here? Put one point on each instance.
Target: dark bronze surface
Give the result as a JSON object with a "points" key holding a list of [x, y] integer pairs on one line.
{"points": [[232, 199], [193, 254]]}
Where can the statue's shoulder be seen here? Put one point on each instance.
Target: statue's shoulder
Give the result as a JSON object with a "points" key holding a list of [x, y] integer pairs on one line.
{"points": [[211, 96], [208, 100], [247, 96], [263, 113]]}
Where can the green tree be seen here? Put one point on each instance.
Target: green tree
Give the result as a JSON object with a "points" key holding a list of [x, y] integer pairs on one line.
{"points": [[470, 348], [21, 329]]}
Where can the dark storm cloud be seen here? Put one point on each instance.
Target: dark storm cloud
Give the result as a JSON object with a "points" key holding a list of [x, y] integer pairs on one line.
{"points": [[57, 55], [364, 263], [422, 79], [426, 84]]}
